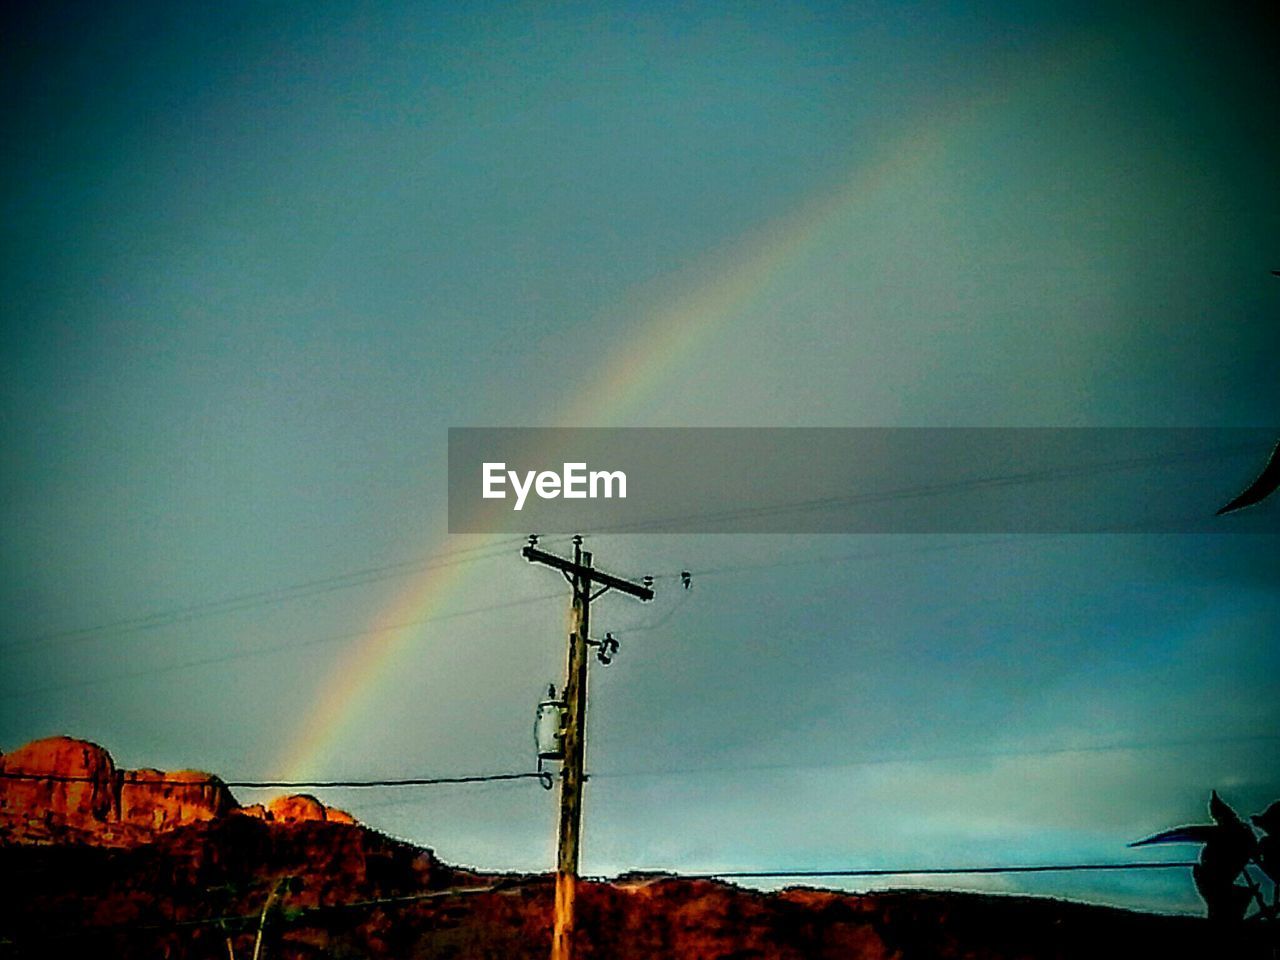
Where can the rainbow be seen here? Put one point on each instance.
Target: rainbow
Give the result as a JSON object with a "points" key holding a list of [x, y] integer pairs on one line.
{"points": [[639, 369]]}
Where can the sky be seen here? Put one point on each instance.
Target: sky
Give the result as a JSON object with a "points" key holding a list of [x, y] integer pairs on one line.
{"points": [[258, 258]]}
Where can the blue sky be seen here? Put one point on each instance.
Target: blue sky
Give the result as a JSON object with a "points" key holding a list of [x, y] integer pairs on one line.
{"points": [[258, 258]]}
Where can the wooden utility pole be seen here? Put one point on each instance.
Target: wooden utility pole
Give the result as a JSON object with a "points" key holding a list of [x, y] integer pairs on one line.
{"points": [[584, 579]]}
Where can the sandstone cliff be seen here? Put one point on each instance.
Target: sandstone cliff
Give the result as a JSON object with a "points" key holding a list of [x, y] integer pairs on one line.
{"points": [[63, 789]]}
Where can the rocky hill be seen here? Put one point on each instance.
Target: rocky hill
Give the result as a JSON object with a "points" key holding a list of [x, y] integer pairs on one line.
{"points": [[142, 864], [61, 790]]}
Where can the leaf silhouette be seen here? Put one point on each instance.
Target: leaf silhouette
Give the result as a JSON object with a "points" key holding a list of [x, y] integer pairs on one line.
{"points": [[1193, 833], [1223, 815], [1261, 488], [1269, 819], [1227, 846], [1225, 900], [1222, 860], [1269, 846]]}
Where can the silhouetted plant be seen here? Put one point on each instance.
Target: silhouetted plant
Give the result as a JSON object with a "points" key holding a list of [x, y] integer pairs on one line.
{"points": [[1230, 847]]}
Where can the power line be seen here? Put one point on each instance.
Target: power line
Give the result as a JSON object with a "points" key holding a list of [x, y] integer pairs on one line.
{"points": [[407, 782], [362, 577], [245, 601], [860, 555], [268, 650], [657, 622], [734, 568], [263, 784], [284, 784], [295, 914], [291, 914], [892, 759], [644, 626], [934, 489], [288, 645], [934, 871], [969, 544]]}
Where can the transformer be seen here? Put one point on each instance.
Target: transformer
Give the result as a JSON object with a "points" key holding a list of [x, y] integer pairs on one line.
{"points": [[548, 728]]}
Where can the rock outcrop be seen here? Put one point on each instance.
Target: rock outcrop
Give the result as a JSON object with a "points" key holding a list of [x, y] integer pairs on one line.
{"points": [[63, 789], [59, 780], [162, 801], [141, 864], [304, 808]]}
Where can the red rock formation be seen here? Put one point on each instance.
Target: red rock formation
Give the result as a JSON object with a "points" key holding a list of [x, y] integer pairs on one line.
{"points": [[304, 808], [352, 892], [162, 801], [255, 810], [334, 815], [59, 781], [62, 789], [297, 808]]}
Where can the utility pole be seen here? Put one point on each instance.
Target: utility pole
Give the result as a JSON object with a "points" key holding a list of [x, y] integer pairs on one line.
{"points": [[584, 580]]}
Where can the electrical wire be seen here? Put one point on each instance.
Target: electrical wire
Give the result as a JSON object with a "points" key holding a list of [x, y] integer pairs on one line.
{"points": [[936, 871], [906, 760], [282, 784], [294, 915], [305, 589], [861, 555], [266, 783], [268, 650], [247, 601], [932, 489], [660, 621], [291, 916], [699, 573], [657, 622]]}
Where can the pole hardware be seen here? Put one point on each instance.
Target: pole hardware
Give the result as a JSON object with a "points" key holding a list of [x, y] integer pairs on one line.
{"points": [[606, 649]]}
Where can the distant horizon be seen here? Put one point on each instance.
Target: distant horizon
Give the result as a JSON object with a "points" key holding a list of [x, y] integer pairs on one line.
{"points": [[762, 881]]}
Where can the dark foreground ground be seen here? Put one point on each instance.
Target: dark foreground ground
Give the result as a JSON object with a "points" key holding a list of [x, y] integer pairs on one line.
{"points": [[199, 891]]}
